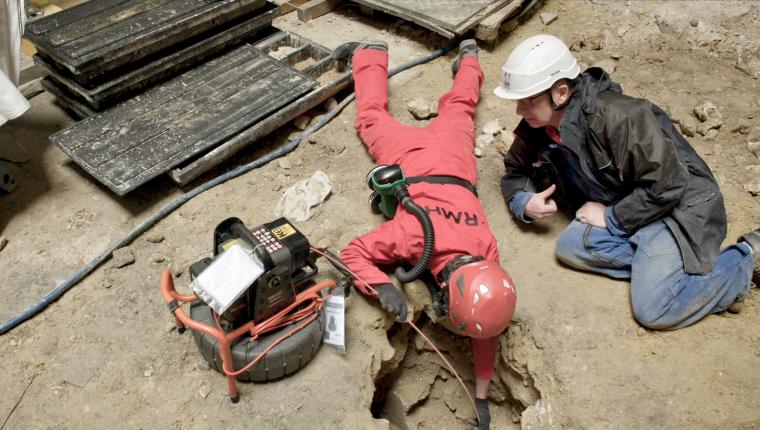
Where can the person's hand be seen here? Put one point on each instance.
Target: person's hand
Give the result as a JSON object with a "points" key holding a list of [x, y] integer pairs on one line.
{"points": [[592, 213], [541, 205], [481, 405], [392, 300]]}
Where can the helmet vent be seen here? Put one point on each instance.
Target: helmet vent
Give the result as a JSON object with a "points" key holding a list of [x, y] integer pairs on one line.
{"points": [[483, 289]]}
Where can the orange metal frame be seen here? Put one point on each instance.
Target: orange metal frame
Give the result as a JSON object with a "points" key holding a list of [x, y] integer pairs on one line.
{"points": [[309, 301]]}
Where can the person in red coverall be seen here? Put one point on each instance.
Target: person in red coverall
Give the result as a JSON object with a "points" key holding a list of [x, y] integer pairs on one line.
{"points": [[440, 157]]}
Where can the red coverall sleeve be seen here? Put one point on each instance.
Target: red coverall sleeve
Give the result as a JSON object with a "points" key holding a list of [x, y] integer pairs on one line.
{"points": [[381, 246], [484, 350], [484, 355]]}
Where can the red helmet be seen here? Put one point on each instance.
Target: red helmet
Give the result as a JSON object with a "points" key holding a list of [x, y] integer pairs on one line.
{"points": [[481, 299]]}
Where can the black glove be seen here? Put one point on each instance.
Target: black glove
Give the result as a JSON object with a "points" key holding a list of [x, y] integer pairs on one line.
{"points": [[481, 405], [392, 300]]}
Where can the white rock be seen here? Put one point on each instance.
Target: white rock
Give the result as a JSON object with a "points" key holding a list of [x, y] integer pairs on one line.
{"points": [[422, 109], [493, 127], [754, 147], [284, 163], [753, 141], [204, 391], [708, 110], [753, 187], [3, 242], [484, 140], [478, 152], [548, 17]]}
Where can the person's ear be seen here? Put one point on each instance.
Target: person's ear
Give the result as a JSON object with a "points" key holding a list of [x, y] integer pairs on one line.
{"points": [[560, 94]]}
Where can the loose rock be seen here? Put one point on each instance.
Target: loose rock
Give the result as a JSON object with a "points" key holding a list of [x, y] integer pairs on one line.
{"points": [[284, 163], [548, 17], [302, 122], [478, 152], [493, 127], [3, 242], [748, 59], [122, 257], [484, 140], [709, 125], [330, 104], [503, 144], [155, 238], [315, 120], [753, 141], [422, 109], [688, 126], [667, 25], [742, 127], [753, 187], [204, 391], [708, 110], [711, 134]]}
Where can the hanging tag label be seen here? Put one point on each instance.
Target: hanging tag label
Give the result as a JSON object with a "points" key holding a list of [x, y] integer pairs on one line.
{"points": [[334, 321]]}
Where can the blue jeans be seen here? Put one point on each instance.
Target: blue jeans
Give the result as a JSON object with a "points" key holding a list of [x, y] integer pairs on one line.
{"points": [[663, 296]]}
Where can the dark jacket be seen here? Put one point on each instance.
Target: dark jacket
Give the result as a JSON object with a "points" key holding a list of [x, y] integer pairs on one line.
{"points": [[627, 154]]}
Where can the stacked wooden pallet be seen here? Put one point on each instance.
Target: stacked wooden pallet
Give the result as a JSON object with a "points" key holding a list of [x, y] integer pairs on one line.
{"points": [[453, 19], [101, 52], [196, 120]]}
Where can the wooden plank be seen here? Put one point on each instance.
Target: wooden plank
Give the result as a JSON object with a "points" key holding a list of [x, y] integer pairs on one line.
{"points": [[137, 140], [331, 83], [124, 84], [93, 24], [447, 17], [75, 107], [135, 29], [287, 6], [315, 8], [473, 21], [488, 29], [65, 17]]}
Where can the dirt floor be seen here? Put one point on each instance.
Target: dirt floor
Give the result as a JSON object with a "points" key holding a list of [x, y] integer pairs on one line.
{"points": [[106, 354]]}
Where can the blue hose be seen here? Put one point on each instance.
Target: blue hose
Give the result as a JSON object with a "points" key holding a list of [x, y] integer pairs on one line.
{"points": [[166, 210]]}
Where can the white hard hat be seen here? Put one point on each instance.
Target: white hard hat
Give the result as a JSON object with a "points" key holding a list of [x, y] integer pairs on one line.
{"points": [[534, 66]]}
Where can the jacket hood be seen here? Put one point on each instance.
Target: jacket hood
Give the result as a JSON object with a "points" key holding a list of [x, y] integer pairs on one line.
{"points": [[592, 82]]}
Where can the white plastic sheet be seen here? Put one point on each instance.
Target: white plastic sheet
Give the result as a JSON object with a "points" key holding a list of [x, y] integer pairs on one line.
{"points": [[300, 200], [12, 103]]}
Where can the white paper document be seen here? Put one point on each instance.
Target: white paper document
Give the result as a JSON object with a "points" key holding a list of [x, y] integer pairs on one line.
{"points": [[227, 278]]}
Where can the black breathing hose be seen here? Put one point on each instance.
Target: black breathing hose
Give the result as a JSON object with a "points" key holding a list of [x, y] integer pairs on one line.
{"points": [[429, 243]]}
